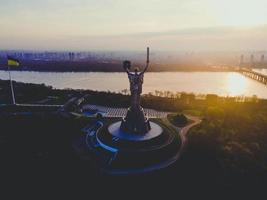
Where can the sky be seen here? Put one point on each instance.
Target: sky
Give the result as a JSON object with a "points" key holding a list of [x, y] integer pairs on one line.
{"points": [[172, 25]]}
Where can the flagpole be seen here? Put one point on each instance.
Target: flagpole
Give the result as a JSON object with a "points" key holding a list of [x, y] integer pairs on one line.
{"points": [[11, 86]]}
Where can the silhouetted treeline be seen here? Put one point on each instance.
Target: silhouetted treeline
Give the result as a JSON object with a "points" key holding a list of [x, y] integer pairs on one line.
{"points": [[231, 144], [101, 66]]}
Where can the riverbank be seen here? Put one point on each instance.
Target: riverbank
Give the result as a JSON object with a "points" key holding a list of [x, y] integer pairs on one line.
{"points": [[28, 93]]}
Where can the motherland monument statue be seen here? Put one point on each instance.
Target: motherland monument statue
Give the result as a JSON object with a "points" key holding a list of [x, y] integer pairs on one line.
{"points": [[135, 121], [134, 144]]}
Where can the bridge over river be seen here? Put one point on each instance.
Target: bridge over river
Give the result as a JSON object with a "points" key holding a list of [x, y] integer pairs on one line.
{"points": [[262, 78]]}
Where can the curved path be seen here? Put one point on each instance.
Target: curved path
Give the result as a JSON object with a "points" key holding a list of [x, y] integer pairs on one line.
{"points": [[183, 135], [183, 132]]}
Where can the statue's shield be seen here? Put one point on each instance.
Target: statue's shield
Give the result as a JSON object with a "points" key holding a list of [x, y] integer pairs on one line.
{"points": [[126, 65]]}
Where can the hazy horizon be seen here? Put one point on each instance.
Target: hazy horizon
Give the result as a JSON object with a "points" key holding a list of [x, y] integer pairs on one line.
{"points": [[187, 25]]}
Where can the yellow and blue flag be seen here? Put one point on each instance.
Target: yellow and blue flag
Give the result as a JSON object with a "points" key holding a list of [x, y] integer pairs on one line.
{"points": [[12, 61]]}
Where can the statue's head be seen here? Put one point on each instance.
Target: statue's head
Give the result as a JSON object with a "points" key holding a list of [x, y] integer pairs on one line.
{"points": [[136, 70]]}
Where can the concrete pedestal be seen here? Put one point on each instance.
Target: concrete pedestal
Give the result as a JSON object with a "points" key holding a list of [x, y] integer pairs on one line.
{"points": [[135, 122], [154, 131]]}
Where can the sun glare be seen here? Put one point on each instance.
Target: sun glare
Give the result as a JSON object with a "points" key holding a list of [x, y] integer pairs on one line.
{"points": [[236, 84]]}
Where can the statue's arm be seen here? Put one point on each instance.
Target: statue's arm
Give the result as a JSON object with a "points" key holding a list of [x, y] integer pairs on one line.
{"points": [[126, 66], [145, 69], [147, 61]]}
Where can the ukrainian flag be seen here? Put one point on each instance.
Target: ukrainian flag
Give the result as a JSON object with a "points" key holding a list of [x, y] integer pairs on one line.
{"points": [[12, 61]]}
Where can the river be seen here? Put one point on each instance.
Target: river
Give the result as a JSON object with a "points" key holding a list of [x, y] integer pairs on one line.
{"points": [[221, 83]]}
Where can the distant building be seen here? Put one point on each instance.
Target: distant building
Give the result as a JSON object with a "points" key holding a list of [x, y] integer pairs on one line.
{"points": [[71, 56], [241, 62], [252, 59], [262, 59]]}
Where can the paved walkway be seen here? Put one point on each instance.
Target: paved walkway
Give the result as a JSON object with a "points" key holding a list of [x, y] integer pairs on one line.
{"points": [[121, 112], [183, 133]]}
